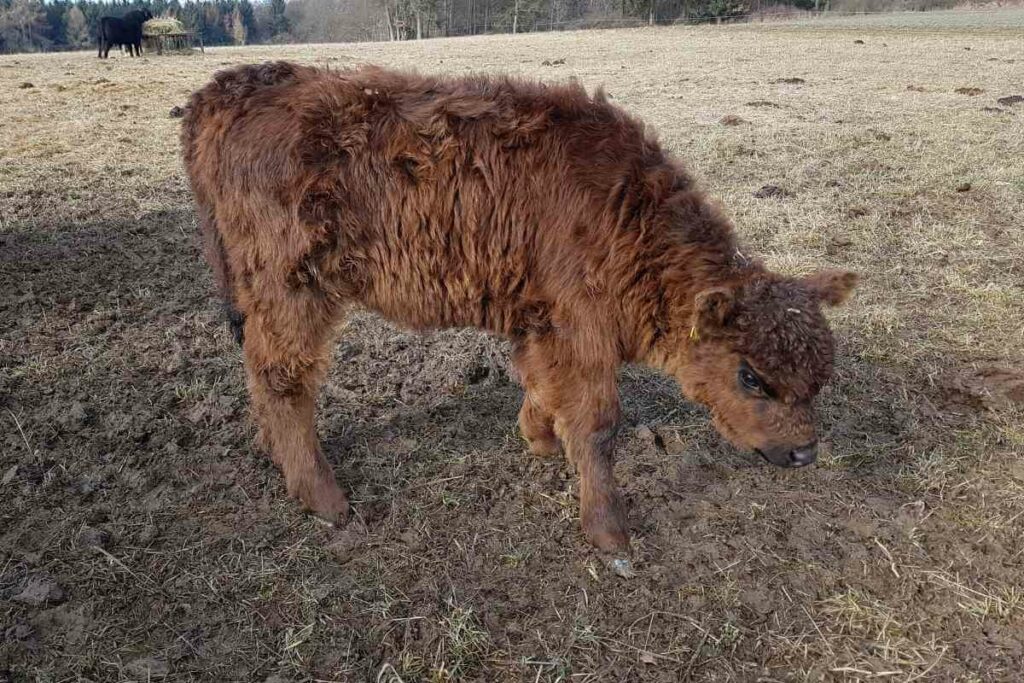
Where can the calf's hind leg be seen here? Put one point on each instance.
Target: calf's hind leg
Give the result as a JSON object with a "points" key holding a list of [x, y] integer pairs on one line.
{"points": [[538, 427], [536, 421], [286, 349]]}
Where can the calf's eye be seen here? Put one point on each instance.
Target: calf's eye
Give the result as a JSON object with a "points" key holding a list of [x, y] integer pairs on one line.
{"points": [[749, 380]]}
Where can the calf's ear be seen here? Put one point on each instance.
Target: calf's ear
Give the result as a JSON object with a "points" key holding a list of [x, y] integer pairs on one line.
{"points": [[712, 310], [832, 287]]}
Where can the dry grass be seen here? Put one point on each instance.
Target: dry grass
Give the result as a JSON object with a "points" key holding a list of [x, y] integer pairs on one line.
{"points": [[985, 19], [897, 559]]}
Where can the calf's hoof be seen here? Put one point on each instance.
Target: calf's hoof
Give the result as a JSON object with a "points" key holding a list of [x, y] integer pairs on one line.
{"points": [[325, 499], [544, 447], [605, 528]]}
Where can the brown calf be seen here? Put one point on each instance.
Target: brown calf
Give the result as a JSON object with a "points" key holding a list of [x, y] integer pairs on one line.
{"points": [[531, 211]]}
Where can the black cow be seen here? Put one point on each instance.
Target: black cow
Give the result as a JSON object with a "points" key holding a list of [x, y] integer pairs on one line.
{"points": [[126, 30]]}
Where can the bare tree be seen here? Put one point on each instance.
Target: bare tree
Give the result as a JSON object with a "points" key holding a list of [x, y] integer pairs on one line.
{"points": [[23, 26], [76, 28], [238, 32]]}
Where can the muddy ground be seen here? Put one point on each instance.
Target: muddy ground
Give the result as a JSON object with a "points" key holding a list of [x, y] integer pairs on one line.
{"points": [[142, 538]]}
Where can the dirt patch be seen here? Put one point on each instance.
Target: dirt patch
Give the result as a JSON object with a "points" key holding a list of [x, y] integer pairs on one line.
{"points": [[984, 388], [790, 81], [732, 120], [772, 192], [40, 589], [763, 103], [1001, 384], [969, 91]]}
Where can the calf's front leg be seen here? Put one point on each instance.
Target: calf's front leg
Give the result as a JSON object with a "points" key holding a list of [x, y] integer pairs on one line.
{"points": [[587, 428], [576, 407]]}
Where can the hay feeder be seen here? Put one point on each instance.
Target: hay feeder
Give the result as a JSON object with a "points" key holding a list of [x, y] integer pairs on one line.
{"points": [[168, 35]]}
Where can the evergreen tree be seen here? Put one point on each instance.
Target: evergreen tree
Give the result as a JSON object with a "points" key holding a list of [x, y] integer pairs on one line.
{"points": [[278, 21], [252, 32]]}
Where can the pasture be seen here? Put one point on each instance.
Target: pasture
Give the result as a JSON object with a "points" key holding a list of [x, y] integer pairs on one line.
{"points": [[142, 537]]}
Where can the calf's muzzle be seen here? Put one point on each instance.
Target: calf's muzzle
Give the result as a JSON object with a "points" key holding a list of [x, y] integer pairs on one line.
{"points": [[787, 456]]}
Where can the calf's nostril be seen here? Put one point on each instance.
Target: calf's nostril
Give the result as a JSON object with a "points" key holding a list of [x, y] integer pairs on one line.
{"points": [[804, 456]]}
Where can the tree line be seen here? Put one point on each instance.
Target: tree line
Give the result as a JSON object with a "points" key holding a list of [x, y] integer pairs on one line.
{"points": [[34, 25]]}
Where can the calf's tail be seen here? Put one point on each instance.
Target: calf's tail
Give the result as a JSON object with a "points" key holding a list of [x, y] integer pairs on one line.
{"points": [[214, 249], [217, 257], [223, 99]]}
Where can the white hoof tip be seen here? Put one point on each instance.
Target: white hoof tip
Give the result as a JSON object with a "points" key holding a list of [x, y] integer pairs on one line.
{"points": [[623, 567]]}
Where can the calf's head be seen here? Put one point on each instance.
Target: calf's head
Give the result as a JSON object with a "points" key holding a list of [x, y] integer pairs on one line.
{"points": [[758, 353]]}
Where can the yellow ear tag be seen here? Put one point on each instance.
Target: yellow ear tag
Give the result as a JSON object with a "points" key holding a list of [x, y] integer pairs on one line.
{"points": [[694, 334]]}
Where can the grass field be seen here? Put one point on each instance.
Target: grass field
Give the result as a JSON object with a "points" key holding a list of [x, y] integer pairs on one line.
{"points": [[142, 538], [982, 19]]}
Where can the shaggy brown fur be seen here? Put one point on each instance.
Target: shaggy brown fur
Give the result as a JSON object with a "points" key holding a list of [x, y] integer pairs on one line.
{"points": [[531, 211]]}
